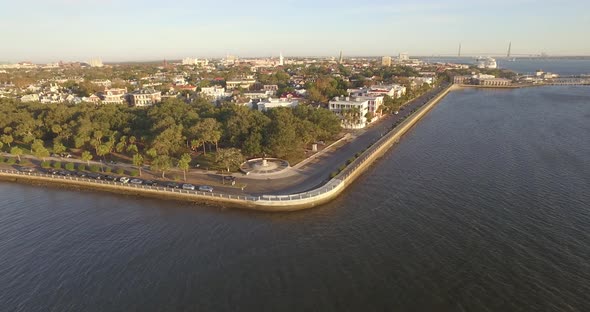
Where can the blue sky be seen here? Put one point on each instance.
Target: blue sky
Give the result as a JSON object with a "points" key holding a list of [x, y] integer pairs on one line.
{"points": [[117, 30]]}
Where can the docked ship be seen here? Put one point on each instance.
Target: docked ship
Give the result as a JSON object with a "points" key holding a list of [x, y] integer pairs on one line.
{"points": [[486, 62]]}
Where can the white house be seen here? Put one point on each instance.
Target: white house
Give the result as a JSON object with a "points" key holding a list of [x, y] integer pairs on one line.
{"points": [[145, 97], [30, 98], [354, 111], [270, 103], [215, 92], [113, 96]]}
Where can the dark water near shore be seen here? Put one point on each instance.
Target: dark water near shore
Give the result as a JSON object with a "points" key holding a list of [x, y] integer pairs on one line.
{"points": [[484, 206]]}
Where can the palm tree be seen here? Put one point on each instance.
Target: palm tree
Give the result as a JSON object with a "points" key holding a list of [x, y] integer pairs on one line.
{"points": [[184, 163], [17, 152], [87, 157], [138, 161]]}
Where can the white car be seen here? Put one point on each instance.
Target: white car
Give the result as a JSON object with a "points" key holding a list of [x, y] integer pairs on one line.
{"points": [[124, 179], [188, 186], [135, 181], [205, 188]]}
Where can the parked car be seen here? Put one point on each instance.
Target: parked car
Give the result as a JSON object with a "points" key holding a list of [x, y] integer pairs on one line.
{"points": [[66, 155], [25, 169], [188, 186], [136, 181], [205, 188], [172, 185], [81, 174], [94, 176], [109, 178], [150, 182], [64, 173], [124, 179]]}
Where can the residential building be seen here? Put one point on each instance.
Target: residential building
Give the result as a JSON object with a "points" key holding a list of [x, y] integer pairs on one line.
{"points": [[386, 61], [271, 103], [245, 83], [195, 61], [92, 99], [421, 80], [30, 98], [113, 96], [214, 93], [95, 62], [404, 57], [270, 88], [102, 82], [145, 97], [495, 82], [356, 112], [461, 79], [393, 90]]}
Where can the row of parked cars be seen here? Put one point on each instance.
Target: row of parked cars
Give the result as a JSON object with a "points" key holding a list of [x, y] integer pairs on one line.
{"points": [[136, 181]]}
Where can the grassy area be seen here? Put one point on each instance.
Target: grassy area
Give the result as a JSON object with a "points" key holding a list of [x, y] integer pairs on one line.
{"points": [[205, 161]]}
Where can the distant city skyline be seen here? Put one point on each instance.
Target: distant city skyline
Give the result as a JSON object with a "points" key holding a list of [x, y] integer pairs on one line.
{"points": [[132, 30]]}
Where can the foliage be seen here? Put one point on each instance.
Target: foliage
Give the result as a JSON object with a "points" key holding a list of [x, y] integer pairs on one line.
{"points": [[69, 166], [171, 128], [45, 164], [56, 165], [184, 163], [162, 163], [86, 156], [229, 158], [81, 167], [16, 151], [138, 162]]}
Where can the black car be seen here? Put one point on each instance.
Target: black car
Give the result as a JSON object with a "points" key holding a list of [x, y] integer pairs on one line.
{"points": [[81, 174], [150, 183], [95, 176], [64, 173], [25, 169], [109, 178], [172, 185]]}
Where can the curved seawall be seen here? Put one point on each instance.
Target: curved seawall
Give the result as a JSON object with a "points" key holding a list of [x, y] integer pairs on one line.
{"points": [[272, 203]]}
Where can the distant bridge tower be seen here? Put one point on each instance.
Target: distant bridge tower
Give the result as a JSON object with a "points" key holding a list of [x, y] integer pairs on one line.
{"points": [[459, 54], [509, 48]]}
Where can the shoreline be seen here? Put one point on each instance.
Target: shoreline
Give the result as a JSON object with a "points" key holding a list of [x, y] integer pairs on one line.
{"points": [[270, 203]]}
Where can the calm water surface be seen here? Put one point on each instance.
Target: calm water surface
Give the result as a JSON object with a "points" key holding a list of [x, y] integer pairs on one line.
{"points": [[528, 65], [484, 206]]}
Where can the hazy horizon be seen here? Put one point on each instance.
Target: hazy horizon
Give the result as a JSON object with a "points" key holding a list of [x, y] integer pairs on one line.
{"points": [[132, 30]]}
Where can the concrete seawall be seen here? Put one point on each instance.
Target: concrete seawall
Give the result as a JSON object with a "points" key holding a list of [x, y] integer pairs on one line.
{"points": [[282, 203]]}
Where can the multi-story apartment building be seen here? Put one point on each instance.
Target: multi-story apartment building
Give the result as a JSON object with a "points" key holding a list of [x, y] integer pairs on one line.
{"points": [[386, 61], [356, 112], [215, 92], [113, 96], [145, 97]]}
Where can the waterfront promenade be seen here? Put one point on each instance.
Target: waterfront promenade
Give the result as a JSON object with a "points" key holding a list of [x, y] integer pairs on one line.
{"points": [[311, 186]]}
